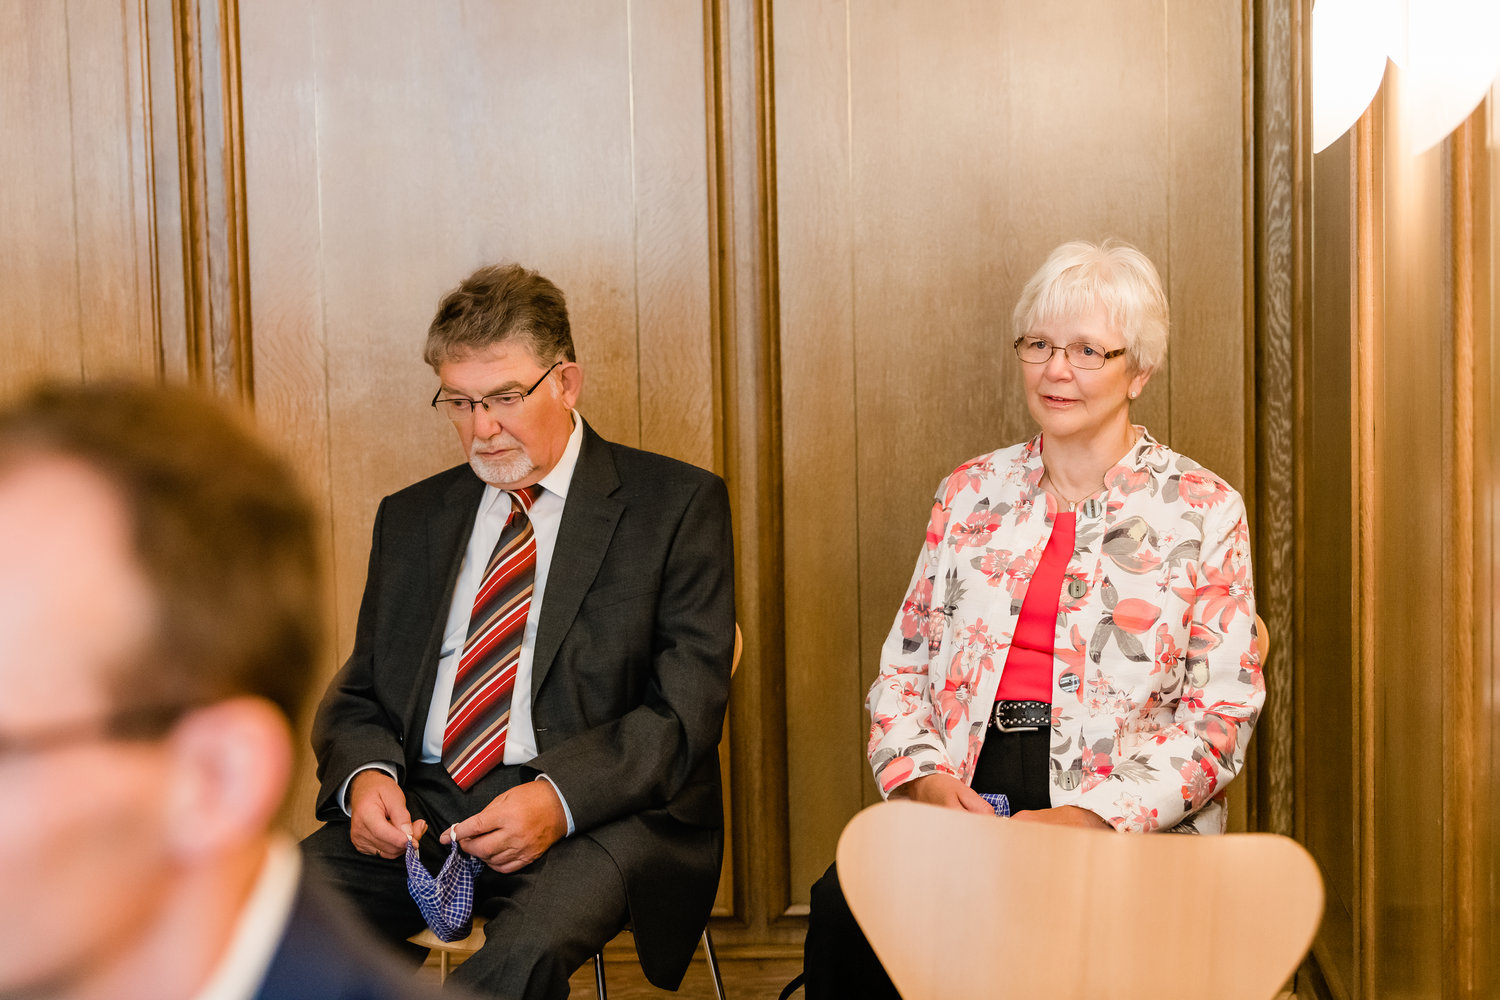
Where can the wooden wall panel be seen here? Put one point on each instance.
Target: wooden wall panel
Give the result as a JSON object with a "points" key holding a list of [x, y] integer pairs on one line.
{"points": [[820, 430], [1328, 596], [75, 237], [929, 157], [1411, 458]]}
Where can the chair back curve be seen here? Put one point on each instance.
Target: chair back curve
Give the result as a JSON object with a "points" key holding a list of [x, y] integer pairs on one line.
{"points": [[1063, 913]]}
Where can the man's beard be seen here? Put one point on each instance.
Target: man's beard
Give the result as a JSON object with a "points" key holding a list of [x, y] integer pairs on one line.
{"points": [[511, 468]]}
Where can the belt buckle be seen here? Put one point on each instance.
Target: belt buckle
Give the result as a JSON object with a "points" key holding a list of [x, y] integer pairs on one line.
{"points": [[1017, 727]]}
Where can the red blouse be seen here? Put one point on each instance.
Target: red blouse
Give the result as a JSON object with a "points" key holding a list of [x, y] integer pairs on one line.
{"points": [[1028, 666]]}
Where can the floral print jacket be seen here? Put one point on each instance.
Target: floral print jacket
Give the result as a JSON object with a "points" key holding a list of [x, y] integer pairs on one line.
{"points": [[1156, 683]]}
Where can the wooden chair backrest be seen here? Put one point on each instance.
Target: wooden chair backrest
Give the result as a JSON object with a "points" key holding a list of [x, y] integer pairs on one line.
{"points": [[956, 904]]}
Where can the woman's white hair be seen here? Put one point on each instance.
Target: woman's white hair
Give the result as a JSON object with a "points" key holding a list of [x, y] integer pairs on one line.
{"points": [[1081, 275]]}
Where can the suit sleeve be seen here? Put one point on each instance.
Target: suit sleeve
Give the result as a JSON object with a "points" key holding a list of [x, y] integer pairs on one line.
{"points": [[648, 755], [351, 728], [1170, 776], [904, 741]]}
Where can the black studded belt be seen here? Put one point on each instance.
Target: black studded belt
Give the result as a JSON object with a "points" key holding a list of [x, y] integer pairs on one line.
{"points": [[1021, 716]]}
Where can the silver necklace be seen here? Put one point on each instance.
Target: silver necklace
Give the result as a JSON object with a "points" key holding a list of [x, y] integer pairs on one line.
{"points": [[1047, 476]]}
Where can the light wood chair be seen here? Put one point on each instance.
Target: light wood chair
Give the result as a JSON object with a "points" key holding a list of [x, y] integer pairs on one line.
{"points": [[1063, 913], [451, 953]]}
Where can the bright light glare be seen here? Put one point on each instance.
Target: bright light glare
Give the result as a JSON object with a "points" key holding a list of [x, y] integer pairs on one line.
{"points": [[1349, 42]]}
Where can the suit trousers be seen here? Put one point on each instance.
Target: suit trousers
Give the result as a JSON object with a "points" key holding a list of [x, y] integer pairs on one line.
{"points": [[544, 921], [837, 961]]}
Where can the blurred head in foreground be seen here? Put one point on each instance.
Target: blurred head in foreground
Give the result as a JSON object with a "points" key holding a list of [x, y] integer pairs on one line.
{"points": [[159, 618]]}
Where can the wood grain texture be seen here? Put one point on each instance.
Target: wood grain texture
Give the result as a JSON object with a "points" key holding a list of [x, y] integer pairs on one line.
{"points": [[747, 290], [820, 430], [1367, 266], [1326, 732], [1460, 916], [1278, 44], [1413, 462], [75, 233]]}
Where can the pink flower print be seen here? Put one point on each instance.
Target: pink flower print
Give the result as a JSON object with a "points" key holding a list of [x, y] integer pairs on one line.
{"points": [[978, 635], [1135, 615], [895, 772], [993, 565], [1070, 680], [1168, 655], [953, 700], [1021, 569], [1137, 818], [1096, 765], [970, 475], [916, 615], [1125, 480], [1188, 594], [1201, 488], [1199, 779], [975, 530], [935, 522], [1226, 593], [1220, 732], [1250, 671]]}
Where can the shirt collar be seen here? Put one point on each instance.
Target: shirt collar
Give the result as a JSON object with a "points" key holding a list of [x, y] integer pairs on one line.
{"points": [[558, 480], [259, 928]]}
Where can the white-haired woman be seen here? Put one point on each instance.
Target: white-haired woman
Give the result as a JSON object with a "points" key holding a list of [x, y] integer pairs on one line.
{"points": [[1079, 632]]}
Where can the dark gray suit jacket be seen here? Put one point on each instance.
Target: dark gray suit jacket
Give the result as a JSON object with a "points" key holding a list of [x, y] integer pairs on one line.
{"points": [[629, 679]]}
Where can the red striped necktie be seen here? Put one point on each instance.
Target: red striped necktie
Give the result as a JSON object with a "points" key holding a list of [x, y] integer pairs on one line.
{"points": [[479, 711]]}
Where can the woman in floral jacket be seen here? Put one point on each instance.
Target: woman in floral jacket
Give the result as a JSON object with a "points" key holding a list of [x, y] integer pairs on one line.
{"points": [[1079, 632]]}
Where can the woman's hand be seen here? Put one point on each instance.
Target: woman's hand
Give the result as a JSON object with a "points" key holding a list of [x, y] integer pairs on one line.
{"points": [[942, 790], [1063, 816]]}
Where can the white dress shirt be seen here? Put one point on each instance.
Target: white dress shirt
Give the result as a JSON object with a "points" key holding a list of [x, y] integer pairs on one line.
{"points": [[494, 507], [258, 930]]}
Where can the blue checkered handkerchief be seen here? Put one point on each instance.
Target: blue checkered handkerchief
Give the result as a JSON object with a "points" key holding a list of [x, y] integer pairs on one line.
{"points": [[446, 901], [998, 802]]}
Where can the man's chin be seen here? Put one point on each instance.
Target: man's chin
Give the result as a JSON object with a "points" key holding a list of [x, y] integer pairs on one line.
{"points": [[502, 473]]}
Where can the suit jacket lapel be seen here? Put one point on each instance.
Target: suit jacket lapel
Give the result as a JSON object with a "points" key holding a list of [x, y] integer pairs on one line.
{"points": [[588, 524], [448, 531]]}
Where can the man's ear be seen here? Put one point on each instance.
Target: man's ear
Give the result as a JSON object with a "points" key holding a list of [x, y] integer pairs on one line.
{"points": [[570, 383], [231, 764]]}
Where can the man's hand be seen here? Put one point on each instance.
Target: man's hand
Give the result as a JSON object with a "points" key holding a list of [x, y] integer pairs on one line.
{"points": [[378, 820], [1063, 816], [515, 829], [943, 790]]}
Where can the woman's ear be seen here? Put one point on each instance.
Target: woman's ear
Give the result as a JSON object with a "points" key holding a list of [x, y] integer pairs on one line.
{"points": [[231, 764], [1138, 382]]}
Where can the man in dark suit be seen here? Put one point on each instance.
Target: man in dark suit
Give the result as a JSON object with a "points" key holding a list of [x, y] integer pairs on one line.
{"points": [[159, 620], [539, 671]]}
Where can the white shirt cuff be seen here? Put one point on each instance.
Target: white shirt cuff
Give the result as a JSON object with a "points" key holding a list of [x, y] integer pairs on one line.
{"points": [[566, 811]]}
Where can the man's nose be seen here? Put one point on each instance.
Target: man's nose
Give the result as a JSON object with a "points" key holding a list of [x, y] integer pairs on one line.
{"points": [[486, 421]]}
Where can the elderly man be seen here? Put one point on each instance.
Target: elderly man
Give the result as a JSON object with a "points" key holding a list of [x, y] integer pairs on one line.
{"points": [[158, 625], [539, 670]]}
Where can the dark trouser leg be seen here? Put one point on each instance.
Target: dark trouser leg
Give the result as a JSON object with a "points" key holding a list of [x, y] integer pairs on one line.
{"points": [[374, 886], [837, 960], [544, 922]]}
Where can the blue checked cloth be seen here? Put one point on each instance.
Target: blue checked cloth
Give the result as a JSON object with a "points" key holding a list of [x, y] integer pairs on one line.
{"points": [[997, 801], [447, 900]]}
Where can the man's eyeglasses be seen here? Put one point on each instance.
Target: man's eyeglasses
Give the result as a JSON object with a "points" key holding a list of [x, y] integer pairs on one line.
{"points": [[1036, 351], [462, 407], [141, 722]]}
